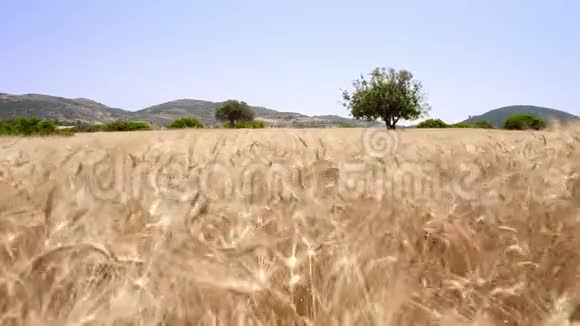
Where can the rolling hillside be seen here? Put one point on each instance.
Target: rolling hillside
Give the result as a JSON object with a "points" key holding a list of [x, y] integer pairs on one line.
{"points": [[205, 112], [498, 116], [58, 108], [89, 111]]}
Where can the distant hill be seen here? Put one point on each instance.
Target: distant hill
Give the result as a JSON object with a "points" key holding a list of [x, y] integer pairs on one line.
{"points": [[89, 111], [58, 108], [498, 116], [204, 111], [163, 114]]}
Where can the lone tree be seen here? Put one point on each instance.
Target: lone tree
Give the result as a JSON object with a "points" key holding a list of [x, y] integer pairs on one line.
{"points": [[186, 122], [524, 121], [389, 95], [233, 111]]}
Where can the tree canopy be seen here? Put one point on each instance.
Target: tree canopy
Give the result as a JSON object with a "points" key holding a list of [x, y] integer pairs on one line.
{"points": [[389, 95], [483, 124], [186, 122], [232, 111], [433, 123], [27, 126], [524, 121]]}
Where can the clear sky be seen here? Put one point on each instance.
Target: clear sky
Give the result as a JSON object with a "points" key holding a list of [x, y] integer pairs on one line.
{"points": [[472, 56]]}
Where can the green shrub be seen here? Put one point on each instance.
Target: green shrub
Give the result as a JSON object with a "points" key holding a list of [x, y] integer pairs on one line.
{"points": [[94, 128], [483, 124], [89, 128], [140, 126], [65, 132], [80, 126], [432, 123], [524, 121], [346, 125], [253, 124], [185, 123], [460, 125], [33, 125], [46, 127], [126, 126], [112, 126], [27, 126]]}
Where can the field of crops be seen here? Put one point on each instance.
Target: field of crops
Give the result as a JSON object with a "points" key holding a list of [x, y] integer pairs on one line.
{"points": [[291, 227]]}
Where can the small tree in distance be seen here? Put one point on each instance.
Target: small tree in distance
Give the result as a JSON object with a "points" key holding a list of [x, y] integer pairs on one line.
{"points": [[233, 111], [524, 121], [254, 124], [185, 123], [484, 124], [433, 123], [460, 125], [389, 95]]}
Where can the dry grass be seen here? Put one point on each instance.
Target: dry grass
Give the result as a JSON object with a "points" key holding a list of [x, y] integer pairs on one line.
{"points": [[280, 227]]}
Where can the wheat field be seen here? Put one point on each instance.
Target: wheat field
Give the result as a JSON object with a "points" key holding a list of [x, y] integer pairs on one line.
{"points": [[291, 227]]}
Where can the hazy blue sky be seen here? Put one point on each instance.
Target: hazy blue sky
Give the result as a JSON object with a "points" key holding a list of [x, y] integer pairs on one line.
{"points": [[472, 56]]}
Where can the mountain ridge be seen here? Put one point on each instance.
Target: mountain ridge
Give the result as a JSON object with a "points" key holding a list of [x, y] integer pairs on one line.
{"points": [[90, 111], [499, 115]]}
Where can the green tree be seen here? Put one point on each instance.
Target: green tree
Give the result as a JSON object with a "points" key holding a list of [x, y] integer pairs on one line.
{"points": [[433, 123], [524, 121], [254, 124], [460, 125], [28, 126], [185, 123], [95, 128], [483, 124], [126, 126], [233, 111], [46, 127], [387, 94]]}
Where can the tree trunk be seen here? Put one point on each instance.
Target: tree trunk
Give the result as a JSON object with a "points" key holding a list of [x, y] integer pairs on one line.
{"points": [[389, 124]]}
